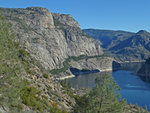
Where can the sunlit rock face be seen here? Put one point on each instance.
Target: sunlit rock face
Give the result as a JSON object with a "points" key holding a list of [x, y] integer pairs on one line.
{"points": [[51, 38]]}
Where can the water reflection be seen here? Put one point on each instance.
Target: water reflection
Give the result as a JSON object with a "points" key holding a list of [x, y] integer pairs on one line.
{"points": [[135, 90], [85, 80]]}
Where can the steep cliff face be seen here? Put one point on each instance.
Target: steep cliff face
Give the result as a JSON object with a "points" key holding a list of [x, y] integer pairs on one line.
{"points": [[144, 71], [100, 63], [51, 37]]}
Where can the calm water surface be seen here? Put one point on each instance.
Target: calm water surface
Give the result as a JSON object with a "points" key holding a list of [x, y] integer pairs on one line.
{"points": [[132, 87]]}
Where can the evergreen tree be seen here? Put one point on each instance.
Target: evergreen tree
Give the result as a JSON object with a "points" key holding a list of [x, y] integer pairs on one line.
{"points": [[103, 98]]}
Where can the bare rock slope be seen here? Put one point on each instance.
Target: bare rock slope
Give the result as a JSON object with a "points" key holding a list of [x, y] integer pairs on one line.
{"points": [[51, 37]]}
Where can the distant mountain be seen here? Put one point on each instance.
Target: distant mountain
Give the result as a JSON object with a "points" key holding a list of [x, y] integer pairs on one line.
{"points": [[137, 46], [124, 46], [108, 38], [141, 38]]}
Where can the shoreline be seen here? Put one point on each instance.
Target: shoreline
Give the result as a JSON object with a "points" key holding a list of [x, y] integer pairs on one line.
{"points": [[106, 70], [72, 76], [130, 61], [65, 77], [102, 70]]}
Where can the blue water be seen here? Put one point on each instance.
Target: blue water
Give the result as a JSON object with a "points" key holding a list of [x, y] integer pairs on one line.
{"points": [[132, 87]]}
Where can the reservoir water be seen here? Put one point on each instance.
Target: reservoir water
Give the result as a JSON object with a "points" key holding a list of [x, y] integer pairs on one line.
{"points": [[132, 87]]}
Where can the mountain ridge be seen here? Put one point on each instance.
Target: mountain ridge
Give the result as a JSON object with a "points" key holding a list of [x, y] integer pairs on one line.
{"points": [[125, 46]]}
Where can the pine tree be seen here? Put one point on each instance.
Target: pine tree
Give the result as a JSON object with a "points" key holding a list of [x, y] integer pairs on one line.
{"points": [[103, 98]]}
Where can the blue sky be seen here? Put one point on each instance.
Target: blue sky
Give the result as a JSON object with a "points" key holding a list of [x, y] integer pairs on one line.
{"points": [[129, 15]]}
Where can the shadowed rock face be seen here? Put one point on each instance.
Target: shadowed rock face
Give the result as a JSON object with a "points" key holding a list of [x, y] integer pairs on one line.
{"points": [[144, 71], [51, 38]]}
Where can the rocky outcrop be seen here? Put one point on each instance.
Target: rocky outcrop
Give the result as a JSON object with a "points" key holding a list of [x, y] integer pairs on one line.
{"points": [[101, 63], [34, 17], [51, 38], [66, 20]]}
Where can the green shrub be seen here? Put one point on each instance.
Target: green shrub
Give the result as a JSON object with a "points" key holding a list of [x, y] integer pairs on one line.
{"points": [[103, 98], [22, 54], [30, 98], [45, 75]]}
